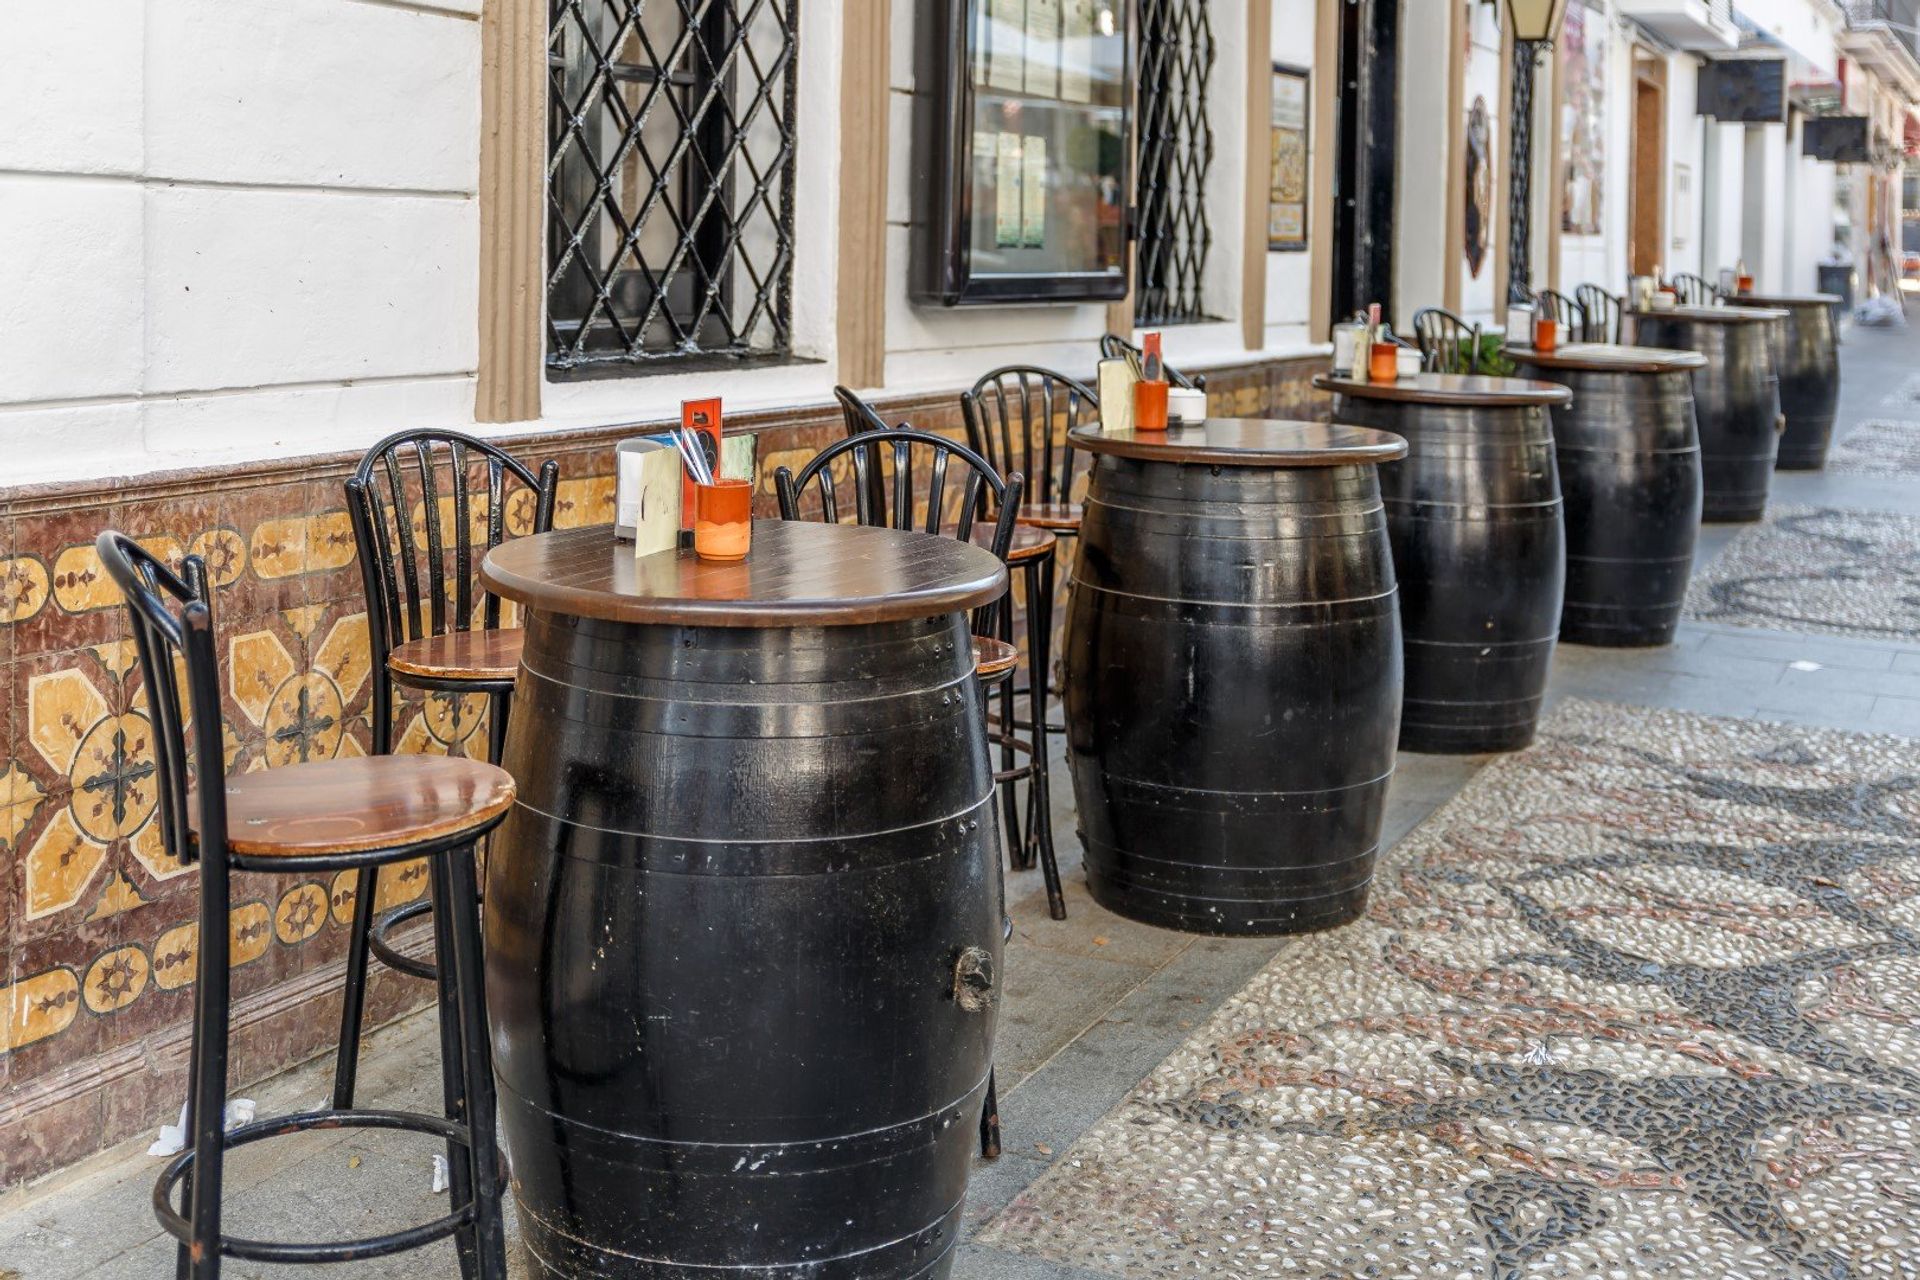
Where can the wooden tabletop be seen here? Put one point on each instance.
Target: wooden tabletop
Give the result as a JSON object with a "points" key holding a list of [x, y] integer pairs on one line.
{"points": [[1711, 315], [1247, 442], [1603, 357], [1784, 300], [1449, 388], [800, 573]]}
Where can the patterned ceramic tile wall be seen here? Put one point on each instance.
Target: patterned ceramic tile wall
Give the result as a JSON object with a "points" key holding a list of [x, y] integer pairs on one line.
{"points": [[98, 921]]}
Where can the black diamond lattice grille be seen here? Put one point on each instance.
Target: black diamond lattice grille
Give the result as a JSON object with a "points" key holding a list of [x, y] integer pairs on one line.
{"points": [[1176, 152], [669, 180]]}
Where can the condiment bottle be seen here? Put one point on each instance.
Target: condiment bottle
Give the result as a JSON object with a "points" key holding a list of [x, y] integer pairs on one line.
{"points": [[1150, 393]]}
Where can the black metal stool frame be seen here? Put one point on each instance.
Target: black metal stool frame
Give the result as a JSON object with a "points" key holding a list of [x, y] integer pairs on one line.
{"points": [[999, 411], [397, 578], [1037, 576], [871, 509], [467, 1128]]}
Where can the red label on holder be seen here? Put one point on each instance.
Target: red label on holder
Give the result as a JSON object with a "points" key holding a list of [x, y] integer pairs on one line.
{"points": [[702, 418]]}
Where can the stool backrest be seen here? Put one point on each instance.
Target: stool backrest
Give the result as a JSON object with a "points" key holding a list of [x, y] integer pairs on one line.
{"points": [[981, 490], [1602, 313], [429, 477], [173, 635], [1568, 314], [1010, 415], [1693, 290], [859, 417], [1113, 346], [1447, 343]]}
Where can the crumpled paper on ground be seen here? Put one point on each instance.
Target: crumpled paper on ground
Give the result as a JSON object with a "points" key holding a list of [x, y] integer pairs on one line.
{"points": [[173, 1137]]}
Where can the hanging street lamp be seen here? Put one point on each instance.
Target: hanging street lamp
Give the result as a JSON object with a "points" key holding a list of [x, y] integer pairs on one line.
{"points": [[1533, 24]]}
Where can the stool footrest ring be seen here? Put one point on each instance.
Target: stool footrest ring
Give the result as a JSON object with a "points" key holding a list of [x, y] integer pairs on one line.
{"points": [[389, 955], [176, 1225]]}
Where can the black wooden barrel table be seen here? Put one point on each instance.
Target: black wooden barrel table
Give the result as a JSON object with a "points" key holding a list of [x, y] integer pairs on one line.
{"points": [[1806, 359], [1479, 546], [1736, 399], [1233, 673], [743, 924], [1629, 456]]}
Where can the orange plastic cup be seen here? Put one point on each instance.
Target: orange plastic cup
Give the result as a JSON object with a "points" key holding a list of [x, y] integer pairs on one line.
{"points": [[1383, 362], [1150, 405], [723, 520], [1546, 335]]}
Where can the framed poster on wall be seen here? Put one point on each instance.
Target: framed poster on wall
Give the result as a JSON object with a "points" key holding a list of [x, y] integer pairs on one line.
{"points": [[1287, 174]]}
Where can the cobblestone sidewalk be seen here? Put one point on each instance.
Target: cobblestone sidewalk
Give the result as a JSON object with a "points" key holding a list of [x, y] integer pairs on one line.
{"points": [[1642, 999]]}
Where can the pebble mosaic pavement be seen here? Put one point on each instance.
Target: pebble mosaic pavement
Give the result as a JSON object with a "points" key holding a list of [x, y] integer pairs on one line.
{"points": [[1643, 1000], [1817, 569], [1878, 448]]}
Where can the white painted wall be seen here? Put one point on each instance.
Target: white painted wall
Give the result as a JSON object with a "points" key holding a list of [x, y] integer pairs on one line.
{"points": [[1428, 154], [1686, 218], [232, 228]]}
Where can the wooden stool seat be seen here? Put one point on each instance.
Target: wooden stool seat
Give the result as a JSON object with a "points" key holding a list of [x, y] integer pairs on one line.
{"points": [[348, 806], [1064, 516], [993, 657], [490, 656], [1029, 542]]}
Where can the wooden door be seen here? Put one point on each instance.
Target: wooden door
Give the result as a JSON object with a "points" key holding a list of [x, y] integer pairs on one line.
{"points": [[1647, 186]]}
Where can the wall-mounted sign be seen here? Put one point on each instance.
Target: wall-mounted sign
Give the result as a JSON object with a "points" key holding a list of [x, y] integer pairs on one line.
{"points": [[1744, 91], [1287, 173], [1841, 139]]}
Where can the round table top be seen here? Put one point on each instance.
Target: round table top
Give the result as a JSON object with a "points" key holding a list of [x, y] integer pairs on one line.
{"points": [[1784, 300], [1603, 357], [1711, 315], [1247, 442], [799, 573], [1449, 389]]}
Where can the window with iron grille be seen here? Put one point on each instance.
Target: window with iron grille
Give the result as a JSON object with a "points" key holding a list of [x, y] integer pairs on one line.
{"points": [[669, 183], [1176, 151]]}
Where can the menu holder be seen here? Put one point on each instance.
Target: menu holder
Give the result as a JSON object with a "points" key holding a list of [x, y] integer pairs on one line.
{"points": [[1116, 395], [650, 485]]}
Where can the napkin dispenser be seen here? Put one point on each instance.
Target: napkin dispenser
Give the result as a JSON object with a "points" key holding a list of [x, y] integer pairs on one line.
{"points": [[648, 495]]}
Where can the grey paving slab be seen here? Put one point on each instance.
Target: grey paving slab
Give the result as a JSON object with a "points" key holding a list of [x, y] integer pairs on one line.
{"points": [[1834, 651], [1894, 715], [1889, 684], [1050, 997]]}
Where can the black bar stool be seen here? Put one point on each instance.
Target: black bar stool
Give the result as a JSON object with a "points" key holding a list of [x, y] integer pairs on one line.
{"points": [[1034, 552], [309, 819], [1602, 312], [1568, 313], [1447, 343], [994, 657], [414, 507]]}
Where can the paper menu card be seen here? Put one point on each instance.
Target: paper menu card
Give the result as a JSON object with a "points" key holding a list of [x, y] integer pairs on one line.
{"points": [[1076, 51], [1033, 194], [1007, 210], [1115, 389], [1043, 48], [1005, 45]]}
